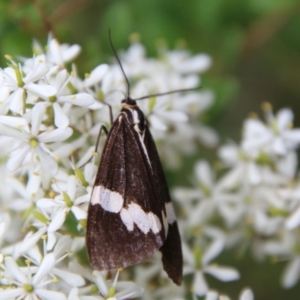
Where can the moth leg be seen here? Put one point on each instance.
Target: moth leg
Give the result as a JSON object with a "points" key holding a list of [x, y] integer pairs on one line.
{"points": [[102, 128], [109, 111]]}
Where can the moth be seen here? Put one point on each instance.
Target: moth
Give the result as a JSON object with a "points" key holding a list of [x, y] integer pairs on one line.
{"points": [[130, 215]]}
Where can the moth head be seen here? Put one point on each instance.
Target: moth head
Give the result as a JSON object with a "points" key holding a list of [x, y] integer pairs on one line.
{"points": [[128, 102]]}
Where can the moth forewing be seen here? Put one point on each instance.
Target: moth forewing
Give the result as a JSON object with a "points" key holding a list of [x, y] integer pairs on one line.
{"points": [[124, 219]]}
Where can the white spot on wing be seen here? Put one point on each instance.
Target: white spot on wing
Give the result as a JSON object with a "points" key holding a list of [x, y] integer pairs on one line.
{"points": [[165, 222], [139, 217], [127, 219], [113, 202], [170, 212], [109, 200], [154, 222]]}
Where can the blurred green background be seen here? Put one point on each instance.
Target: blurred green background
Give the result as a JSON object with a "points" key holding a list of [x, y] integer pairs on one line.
{"points": [[255, 46]]}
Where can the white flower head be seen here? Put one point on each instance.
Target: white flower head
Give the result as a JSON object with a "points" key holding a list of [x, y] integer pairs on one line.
{"points": [[32, 142], [30, 281]]}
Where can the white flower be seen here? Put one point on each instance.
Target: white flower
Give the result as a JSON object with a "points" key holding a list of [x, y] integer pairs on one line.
{"points": [[29, 286], [64, 203], [200, 265], [277, 136], [32, 142], [208, 197], [27, 194], [62, 95], [21, 85], [118, 290], [59, 54]]}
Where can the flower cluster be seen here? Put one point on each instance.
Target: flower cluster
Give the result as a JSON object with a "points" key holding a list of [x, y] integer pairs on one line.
{"points": [[49, 120], [255, 200]]}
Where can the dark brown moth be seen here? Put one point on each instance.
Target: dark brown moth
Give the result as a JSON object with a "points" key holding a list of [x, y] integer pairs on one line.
{"points": [[131, 215]]}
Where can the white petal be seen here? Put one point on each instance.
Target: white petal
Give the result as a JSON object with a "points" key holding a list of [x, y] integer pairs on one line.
{"points": [[8, 131], [199, 285], [54, 52], [43, 90], [46, 203], [96, 75], [189, 258], [212, 295], [31, 240], [291, 273], [173, 116], [254, 173], [60, 118], [246, 294], [292, 138], [197, 63], [228, 154], [223, 273], [58, 220], [17, 157], [35, 253], [77, 268], [70, 278], [48, 163], [45, 267], [15, 270], [38, 113], [39, 71], [56, 135], [61, 80], [50, 295], [284, 119], [81, 99], [70, 52], [293, 220], [203, 173], [214, 249], [100, 282], [84, 198], [232, 178], [157, 123], [63, 244], [279, 146], [96, 105], [256, 135], [16, 100], [71, 188], [10, 294], [51, 240], [129, 290], [79, 213], [33, 184], [15, 122], [73, 294]]}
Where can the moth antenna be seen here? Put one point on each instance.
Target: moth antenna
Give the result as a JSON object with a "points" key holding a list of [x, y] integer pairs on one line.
{"points": [[167, 93], [119, 63]]}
